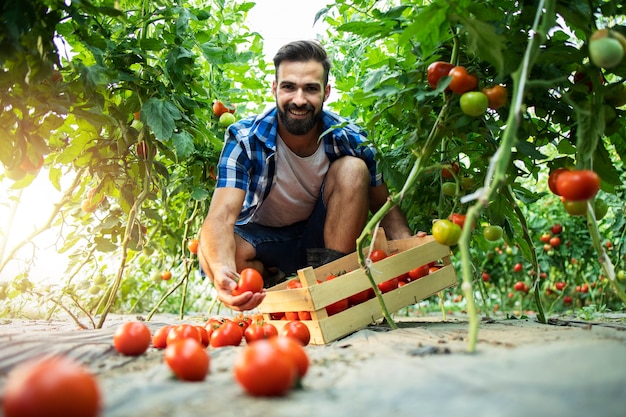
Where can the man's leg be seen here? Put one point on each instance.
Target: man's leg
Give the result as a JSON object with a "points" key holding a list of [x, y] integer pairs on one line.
{"points": [[346, 193]]}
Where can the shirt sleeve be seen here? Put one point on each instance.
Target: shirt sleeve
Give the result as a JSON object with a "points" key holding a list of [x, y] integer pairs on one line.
{"points": [[233, 165]]}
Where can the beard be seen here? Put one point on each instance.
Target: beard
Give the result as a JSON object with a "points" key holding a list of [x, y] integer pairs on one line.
{"points": [[299, 126]]}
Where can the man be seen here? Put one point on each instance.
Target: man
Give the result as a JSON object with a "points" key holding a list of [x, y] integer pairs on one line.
{"points": [[295, 184]]}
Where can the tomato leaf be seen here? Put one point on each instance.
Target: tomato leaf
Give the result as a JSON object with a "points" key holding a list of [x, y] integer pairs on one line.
{"points": [[485, 42], [161, 116], [183, 142]]}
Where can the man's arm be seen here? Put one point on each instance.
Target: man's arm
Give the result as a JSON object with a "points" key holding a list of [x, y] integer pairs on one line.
{"points": [[217, 251], [394, 223]]}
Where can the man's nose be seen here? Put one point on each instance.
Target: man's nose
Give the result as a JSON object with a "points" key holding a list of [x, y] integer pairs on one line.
{"points": [[299, 99]]}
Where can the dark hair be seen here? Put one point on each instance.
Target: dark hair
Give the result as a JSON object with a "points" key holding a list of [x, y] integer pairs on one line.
{"points": [[302, 51]]}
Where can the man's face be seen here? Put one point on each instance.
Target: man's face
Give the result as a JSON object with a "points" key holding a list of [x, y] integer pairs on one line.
{"points": [[300, 94]]}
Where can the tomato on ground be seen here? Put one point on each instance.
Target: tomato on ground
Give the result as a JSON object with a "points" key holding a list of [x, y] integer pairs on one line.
{"points": [[132, 338], [159, 338], [293, 349], [51, 387], [259, 331], [188, 360], [249, 280], [296, 330], [228, 334], [183, 331], [264, 370]]}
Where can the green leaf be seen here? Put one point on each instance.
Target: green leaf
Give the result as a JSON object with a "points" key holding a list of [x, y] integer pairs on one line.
{"points": [[104, 245], [199, 194], [161, 115], [485, 42], [183, 142], [429, 28]]}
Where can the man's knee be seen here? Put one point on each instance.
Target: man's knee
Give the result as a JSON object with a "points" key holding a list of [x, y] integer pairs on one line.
{"points": [[348, 171]]}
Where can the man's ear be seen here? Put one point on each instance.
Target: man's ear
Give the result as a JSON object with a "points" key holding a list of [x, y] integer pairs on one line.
{"points": [[274, 88], [326, 92]]}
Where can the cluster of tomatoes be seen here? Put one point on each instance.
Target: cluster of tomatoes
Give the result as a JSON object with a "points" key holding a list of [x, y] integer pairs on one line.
{"points": [[472, 102], [224, 114], [551, 240], [361, 296], [576, 188]]}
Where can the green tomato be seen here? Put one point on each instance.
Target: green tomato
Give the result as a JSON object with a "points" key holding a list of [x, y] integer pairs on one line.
{"points": [[156, 277], [448, 188], [600, 208], [474, 103], [621, 275], [227, 119], [446, 232], [575, 208], [492, 232], [606, 52]]}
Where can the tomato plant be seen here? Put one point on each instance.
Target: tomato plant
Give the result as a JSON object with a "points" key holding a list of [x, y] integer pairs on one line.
{"points": [[249, 280], [188, 359], [132, 338], [54, 387]]}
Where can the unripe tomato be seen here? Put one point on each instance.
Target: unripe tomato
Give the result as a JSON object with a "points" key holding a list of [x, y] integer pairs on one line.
{"points": [[606, 52], [436, 71], [446, 232], [575, 208], [448, 188], [462, 82], [492, 232], [474, 103], [600, 208], [496, 95], [578, 185]]}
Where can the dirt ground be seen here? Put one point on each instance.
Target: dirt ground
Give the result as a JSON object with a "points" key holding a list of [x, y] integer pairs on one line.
{"points": [[521, 368]]}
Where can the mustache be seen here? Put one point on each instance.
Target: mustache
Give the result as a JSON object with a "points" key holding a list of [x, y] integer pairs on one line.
{"points": [[307, 107]]}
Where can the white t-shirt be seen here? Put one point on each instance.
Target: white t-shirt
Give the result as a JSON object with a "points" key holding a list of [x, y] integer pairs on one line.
{"points": [[296, 187]]}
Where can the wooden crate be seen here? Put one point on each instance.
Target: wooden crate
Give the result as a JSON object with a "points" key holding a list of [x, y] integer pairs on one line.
{"points": [[402, 256]]}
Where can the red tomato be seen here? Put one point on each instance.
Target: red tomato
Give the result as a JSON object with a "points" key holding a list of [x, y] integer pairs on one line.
{"points": [[518, 267], [132, 338], [183, 331], [262, 369], [294, 283], [258, 331], [556, 229], [292, 315], [159, 339], [337, 306], [555, 242], [578, 185], [388, 285], [292, 348], [497, 96], [192, 245], [545, 238], [419, 272], [559, 285], [554, 175], [519, 286], [188, 360], [458, 219], [52, 387], [486, 277], [456, 168], [204, 336], [361, 297], [296, 330], [378, 255], [249, 280], [304, 315], [436, 71], [462, 82], [228, 334], [567, 299]]}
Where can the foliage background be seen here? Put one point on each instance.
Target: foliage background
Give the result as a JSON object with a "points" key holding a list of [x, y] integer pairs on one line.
{"points": [[170, 61]]}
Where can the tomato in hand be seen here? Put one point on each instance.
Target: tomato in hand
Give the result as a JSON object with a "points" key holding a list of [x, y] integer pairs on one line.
{"points": [[296, 330], [474, 103], [462, 82], [263, 369], [436, 71], [51, 387], [249, 280], [132, 338], [188, 360], [446, 232], [496, 96], [578, 185]]}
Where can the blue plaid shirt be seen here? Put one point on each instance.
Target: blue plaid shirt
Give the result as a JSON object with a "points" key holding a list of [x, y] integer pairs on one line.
{"points": [[247, 160]]}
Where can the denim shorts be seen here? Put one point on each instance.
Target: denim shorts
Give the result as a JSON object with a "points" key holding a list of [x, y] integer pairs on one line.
{"points": [[285, 247]]}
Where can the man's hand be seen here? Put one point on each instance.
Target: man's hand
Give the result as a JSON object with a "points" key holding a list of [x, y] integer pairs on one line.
{"points": [[224, 282]]}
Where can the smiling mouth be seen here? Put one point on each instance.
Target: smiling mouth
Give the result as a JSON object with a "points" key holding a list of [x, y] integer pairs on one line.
{"points": [[296, 112]]}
